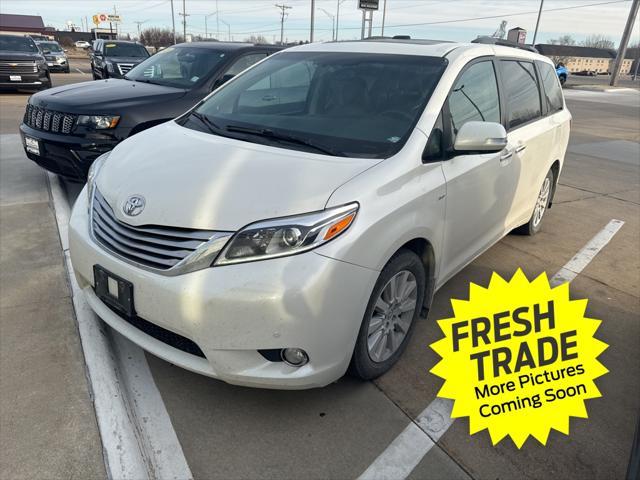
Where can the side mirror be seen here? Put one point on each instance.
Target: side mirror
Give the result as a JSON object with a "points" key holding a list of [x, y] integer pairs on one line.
{"points": [[222, 80], [482, 137]]}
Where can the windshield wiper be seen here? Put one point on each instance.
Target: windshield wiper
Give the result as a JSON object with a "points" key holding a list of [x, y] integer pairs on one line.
{"points": [[284, 137], [212, 127]]}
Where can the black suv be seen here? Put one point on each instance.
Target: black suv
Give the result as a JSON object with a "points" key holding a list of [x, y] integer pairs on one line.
{"points": [[22, 66], [64, 129], [114, 58]]}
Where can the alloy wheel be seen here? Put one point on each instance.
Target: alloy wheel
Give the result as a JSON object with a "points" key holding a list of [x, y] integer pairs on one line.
{"points": [[392, 316]]}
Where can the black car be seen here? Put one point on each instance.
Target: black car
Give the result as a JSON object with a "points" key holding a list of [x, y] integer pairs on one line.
{"points": [[64, 129], [22, 65], [114, 58], [55, 56]]}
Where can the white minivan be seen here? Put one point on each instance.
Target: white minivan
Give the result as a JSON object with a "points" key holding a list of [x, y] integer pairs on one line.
{"points": [[296, 223]]}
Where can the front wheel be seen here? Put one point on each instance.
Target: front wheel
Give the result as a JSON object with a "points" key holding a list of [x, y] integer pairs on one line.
{"points": [[391, 314], [534, 224], [563, 79]]}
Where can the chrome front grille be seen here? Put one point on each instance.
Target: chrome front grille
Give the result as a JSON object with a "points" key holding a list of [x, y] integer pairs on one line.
{"points": [[157, 247], [11, 68], [124, 68], [49, 120]]}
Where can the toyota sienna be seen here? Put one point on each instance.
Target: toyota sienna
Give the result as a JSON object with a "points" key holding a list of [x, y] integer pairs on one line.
{"points": [[295, 224]]}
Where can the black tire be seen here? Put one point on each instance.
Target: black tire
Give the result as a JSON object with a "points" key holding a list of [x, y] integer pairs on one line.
{"points": [[362, 365], [563, 79], [534, 225]]}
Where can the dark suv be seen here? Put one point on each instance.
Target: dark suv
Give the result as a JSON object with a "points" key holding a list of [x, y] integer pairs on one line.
{"points": [[22, 66], [64, 129], [114, 58]]}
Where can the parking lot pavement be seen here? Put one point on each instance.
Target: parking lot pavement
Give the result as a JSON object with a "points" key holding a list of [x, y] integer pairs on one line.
{"points": [[47, 422], [337, 432]]}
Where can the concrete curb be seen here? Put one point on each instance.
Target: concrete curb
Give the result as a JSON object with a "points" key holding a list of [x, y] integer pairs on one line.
{"points": [[138, 439]]}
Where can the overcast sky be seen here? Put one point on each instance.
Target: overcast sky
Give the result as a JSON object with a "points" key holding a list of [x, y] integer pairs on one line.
{"points": [[459, 17]]}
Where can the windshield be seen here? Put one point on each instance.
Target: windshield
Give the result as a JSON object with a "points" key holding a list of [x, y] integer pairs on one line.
{"points": [[125, 50], [51, 46], [177, 67], [349, 104], [17, 44]]}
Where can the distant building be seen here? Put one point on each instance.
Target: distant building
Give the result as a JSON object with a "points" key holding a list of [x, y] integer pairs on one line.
{"points": [[590, 59], [23, 25]]}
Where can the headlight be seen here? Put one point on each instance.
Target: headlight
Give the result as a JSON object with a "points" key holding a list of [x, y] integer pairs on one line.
{"points": [[99, 122], [109, 67], [94, 170], [287, 236]]}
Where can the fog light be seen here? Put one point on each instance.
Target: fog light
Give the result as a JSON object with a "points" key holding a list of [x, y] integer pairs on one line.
{"points": [[296, 357]]}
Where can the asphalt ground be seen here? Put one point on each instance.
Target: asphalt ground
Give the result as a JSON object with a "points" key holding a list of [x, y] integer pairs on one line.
{"points": [[338, 431]]}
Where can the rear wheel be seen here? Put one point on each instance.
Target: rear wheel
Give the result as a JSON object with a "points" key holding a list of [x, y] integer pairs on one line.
{"points": [[534, 224], [563, 79], [390, 317]]}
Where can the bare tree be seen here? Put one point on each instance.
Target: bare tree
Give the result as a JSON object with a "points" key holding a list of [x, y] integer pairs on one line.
{"points": [[158, 37], [562, 40], [597, 40], [259, 39]]}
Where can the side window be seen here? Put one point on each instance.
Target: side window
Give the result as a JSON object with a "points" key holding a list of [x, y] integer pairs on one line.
{"points": [[243, 63], [552, 90], [474, 97], [523, 97]]}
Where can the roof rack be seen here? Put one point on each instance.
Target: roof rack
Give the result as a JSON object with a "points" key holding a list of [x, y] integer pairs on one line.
{"points": [[505, 43]]}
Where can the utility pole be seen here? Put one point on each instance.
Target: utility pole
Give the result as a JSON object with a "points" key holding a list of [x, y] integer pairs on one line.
{"points": [[384, 17], [283, 14], [622, 49], [115, 12], [313, 17], [184, 16], [173, 23], [535, 32]]}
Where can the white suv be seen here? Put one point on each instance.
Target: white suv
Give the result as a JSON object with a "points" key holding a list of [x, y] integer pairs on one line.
{"points": [[296, 223]]}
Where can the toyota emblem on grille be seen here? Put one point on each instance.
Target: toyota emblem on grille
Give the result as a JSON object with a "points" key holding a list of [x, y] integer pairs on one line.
{"points": [[134, 205]]}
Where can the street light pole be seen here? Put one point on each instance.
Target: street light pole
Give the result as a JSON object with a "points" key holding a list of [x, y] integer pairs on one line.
{"points": [[340, 2], [535, 32], [228, 30], [622, 49], [313, 12], [333, 22], [206, 28]]}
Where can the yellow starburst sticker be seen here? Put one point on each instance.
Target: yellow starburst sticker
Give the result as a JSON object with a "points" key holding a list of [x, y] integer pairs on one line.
{"points": [[519, 358]]}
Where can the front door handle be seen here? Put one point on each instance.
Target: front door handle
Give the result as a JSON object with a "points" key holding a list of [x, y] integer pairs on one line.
{"points": [[520, 148]]}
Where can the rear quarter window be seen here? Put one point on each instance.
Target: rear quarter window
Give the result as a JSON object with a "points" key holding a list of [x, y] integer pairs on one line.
{"points": [[552, 92]]}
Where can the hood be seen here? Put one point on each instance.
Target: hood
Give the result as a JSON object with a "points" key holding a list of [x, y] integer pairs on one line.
{"points": [[103, 96], [7, 56], [134, 60], [196, 180]]}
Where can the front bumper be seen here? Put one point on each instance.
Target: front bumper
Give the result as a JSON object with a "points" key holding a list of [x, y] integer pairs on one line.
{"points": [[66, 155], [28, 81], [57, 66], [230, 312]]}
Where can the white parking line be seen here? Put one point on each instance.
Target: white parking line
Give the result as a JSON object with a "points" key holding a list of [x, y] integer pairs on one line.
{"points": [[399, 459], [80, 71], [138, 439]]}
